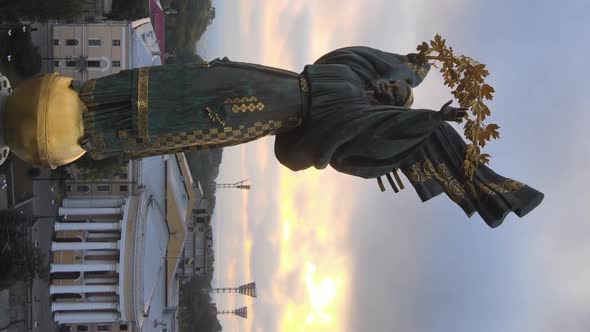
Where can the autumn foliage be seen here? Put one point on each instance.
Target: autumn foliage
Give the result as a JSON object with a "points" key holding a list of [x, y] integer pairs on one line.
{"points": [[466, 78]]}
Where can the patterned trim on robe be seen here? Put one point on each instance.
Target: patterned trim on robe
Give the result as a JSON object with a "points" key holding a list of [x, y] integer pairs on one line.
{"points": [[244, 104], [87, 95], [142, 102], [99, 146], [423, 171], [202, 139]]}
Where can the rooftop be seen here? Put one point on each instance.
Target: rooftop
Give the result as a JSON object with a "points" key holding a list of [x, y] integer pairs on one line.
{"points": [[159, 22], [145, 45]]}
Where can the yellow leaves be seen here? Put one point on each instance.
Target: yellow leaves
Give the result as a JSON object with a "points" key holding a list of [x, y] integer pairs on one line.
{"points": [[423, 48], [472, 151], [492, 129], [483, 158], [486, 91], [438, 43], [485, 111], [466, 78], [469, 167]]}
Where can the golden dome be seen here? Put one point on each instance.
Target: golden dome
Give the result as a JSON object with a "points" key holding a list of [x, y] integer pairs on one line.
{"points": [[43, 121]]}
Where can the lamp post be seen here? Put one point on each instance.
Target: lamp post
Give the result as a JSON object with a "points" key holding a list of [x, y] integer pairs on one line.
{"points": [[10, 30]]}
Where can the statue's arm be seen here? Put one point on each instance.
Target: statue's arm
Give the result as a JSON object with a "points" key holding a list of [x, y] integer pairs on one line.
{"points": [[374, 65], [382, 138]]}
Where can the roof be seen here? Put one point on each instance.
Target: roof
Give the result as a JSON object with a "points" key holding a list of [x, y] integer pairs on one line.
{"points": [[180, 200], [176, 237], [146, 48], [159, 23]]}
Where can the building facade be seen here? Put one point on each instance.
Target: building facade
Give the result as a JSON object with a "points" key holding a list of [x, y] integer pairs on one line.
{"points": [[87, 51], [95, 10], [77, 185], [86, 263], [117, 258], [199, 242]]}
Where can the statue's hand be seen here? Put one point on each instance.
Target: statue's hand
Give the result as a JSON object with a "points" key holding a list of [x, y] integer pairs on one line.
{"points": [[450, 113], [412, 57]]}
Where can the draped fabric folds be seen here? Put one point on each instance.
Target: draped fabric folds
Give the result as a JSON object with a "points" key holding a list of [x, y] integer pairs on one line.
{"points": [[345, 131]]}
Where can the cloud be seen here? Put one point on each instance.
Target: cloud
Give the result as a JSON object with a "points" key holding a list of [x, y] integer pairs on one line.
{"points": [[383, 260]]}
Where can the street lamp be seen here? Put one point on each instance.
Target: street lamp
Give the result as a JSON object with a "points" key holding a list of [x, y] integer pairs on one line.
{"points": [[24, 28]]}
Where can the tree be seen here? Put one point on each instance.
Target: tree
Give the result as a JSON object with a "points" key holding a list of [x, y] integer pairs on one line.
{"points": [[39, 10], [129, 9], [10, 324], [26, 57], [197, 310], [20, 260], [103, 168], [186, 28], [204, 166], [184, 57]]}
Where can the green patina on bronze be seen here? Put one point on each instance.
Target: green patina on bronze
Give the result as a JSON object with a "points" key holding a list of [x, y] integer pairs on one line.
{"points": [[323, 116]]}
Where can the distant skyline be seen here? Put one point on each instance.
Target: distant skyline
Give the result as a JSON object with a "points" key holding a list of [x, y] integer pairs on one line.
{"points": [[330, 252]]}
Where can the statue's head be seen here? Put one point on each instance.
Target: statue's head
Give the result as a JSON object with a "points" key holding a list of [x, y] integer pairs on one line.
{"points": [[395, 92]]}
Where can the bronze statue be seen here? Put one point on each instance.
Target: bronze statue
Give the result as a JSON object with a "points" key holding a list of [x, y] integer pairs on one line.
{"points": [[350, 110]]}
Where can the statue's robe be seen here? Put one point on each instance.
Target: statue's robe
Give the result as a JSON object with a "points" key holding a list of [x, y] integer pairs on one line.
{"points": [[320, 117], [173, 108], [344, 131]]}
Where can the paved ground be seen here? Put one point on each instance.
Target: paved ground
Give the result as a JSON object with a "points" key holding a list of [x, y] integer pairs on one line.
{"points": [[48, 195]]}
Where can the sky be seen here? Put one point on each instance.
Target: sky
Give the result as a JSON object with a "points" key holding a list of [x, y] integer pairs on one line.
{"points": [[330, 252]]}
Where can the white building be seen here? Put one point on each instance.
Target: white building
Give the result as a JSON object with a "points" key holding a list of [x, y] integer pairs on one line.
{"points": [[92, 50], [199, 240], [116, 260]]}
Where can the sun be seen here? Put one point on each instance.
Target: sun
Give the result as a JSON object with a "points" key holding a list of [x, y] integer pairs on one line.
{"points": [[321, 296]]}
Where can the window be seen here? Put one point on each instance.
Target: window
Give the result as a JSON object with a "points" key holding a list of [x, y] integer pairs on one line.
{"points": [[123, 187], [72, 42], [201, 229], [82, 328], [68, 188], [123, 176], [201, 211], [104, 188], [93, 63], [116, 42], [200, 220], [56, 42], [82, 188], [123, 327], [103, 328], [72, 63], [56, 63], [94, 42], [116, 63]]}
